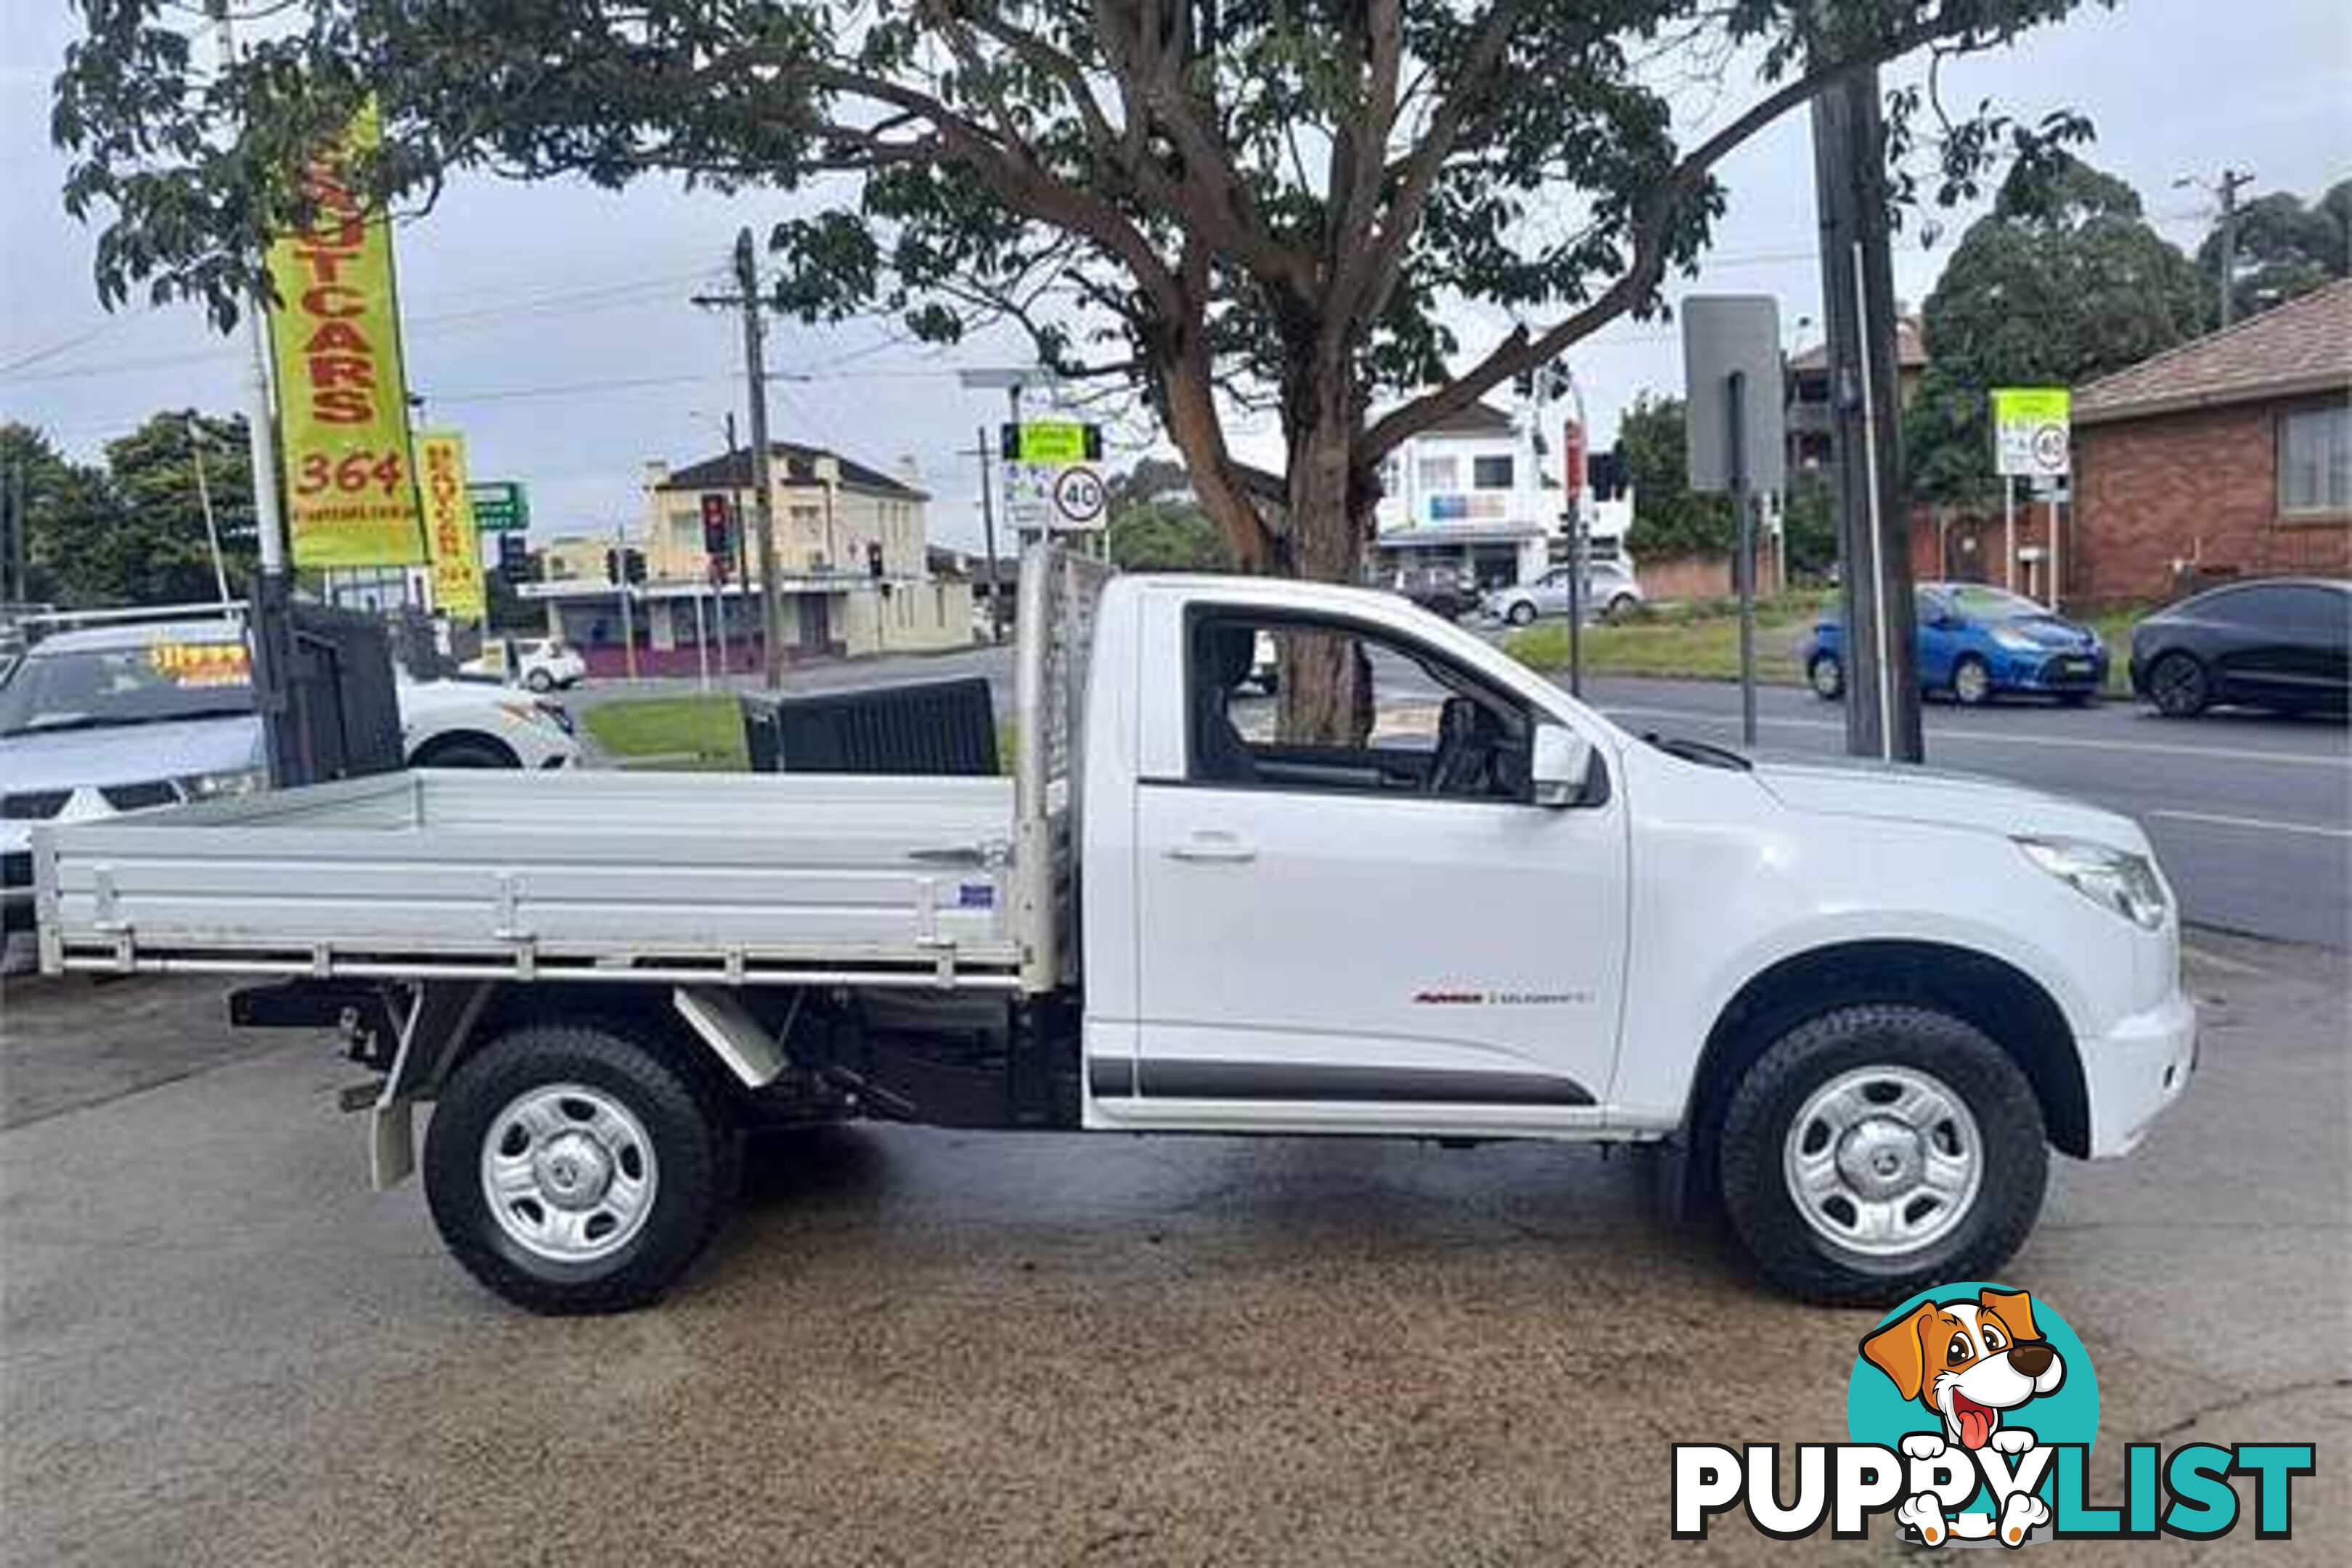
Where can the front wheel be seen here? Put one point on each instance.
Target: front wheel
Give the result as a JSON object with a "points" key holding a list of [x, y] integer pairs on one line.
{"points": [[539, 680], [2178, 686], [1874, 1151], [1826, 676], [571, 1170], [1971, 683], [1522, 613], [1620, 609]]}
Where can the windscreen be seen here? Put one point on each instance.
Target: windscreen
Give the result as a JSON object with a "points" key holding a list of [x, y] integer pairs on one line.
{"points": [[148, 683]]}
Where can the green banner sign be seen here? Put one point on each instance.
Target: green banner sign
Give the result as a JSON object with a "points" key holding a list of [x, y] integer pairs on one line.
{"points": [[1051, 441], [500, 506]]}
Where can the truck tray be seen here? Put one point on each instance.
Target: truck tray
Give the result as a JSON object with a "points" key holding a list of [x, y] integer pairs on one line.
{"points": [[691, 877]]}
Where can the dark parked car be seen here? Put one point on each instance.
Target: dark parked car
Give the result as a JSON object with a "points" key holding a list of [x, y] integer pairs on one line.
{"points": [[1441, 589], [2283, 644]]}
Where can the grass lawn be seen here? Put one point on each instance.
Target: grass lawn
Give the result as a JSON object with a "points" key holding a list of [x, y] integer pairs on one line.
{"points": [[1700, 641], [705, 733]]}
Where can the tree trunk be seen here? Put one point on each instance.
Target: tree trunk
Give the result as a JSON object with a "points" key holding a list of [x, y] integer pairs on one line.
{"points": [[1327, 696]]}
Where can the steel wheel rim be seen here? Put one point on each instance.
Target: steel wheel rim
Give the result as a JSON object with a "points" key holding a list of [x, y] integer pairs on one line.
{"points": [[1882, 1160], [1971, 681], [568, 1173]]}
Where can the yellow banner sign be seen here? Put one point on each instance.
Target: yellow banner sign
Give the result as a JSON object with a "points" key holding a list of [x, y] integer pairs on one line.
{"points": [[450, 534], [351, 491]]}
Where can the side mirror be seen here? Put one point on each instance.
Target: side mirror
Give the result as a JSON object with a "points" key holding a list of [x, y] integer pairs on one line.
{"points": [[1560, 767]]}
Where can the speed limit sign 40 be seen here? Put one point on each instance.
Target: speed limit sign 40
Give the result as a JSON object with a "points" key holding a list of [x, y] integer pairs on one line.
{"points": [[1078, 497]]}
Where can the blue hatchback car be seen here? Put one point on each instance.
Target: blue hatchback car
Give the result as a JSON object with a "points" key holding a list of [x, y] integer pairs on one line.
{"points": [[1977, 643]]}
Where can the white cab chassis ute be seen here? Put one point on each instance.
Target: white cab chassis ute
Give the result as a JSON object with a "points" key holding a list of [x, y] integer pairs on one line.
{"points": [[1460, 906]]}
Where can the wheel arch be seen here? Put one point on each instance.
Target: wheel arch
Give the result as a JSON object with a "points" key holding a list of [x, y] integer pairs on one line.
{"points": [[2015, 1011], [442, 742]]}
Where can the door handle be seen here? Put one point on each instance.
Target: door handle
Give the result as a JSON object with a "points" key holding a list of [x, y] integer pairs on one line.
{"points": [[1226, 848]]}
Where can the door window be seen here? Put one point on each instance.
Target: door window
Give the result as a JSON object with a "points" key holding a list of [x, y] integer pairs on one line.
{"points": [[1343, 709]]}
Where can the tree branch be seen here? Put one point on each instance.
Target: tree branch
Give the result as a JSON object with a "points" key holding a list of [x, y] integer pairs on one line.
{"points": [[1521, 352]]}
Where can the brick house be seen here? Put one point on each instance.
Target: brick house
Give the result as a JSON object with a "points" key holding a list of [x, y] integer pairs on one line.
{"points": [[2228, 456]]}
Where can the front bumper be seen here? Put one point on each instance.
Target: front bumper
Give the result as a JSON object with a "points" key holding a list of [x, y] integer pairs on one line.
{"points": [[2135, 1071], [2053, 672]]}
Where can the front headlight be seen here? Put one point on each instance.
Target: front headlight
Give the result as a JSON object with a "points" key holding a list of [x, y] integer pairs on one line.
{"points": [[2118, 878], [233, 781], [2014, 640]]}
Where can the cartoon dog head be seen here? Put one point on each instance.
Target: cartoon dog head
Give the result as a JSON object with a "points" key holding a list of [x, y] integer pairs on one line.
{"points": [[1968, 1361]]}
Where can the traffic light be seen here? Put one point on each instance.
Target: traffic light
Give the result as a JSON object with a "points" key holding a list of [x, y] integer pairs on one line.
{"points": [[1605, 472], [874, 558], [633, 562], [716, 542], [611, 565], [514, 558]]}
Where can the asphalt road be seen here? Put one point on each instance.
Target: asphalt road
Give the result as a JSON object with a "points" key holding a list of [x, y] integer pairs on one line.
{"points": [[218, 1346], [2251, 817]]}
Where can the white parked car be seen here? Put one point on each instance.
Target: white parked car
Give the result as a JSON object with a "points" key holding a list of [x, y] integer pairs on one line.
{"points": [[1869, 1000], [121, 718], [542, 664]]}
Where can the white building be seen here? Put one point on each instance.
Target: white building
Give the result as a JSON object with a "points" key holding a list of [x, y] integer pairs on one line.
{"points": [[1472, 494]]}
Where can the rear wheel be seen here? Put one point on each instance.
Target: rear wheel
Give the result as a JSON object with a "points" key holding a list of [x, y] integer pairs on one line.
{"points": [[1877, 1150], [571, 1170], [1971, 683], [1620, 608], [539, 680], [1826, 676], [2178, 686]]}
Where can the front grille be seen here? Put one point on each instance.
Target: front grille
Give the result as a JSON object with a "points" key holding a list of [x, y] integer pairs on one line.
{"points": [[2070, 669], [34, 805], [139, 797]]}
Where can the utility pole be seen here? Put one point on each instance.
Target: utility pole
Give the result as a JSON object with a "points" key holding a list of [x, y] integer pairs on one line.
{"points": [[621, 580], [205, 503], [1882, 692], [746, 299], [980, 449], [2227, 188]]}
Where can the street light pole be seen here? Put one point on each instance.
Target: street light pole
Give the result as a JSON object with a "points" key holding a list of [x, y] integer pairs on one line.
{"points": [[270, 609]]}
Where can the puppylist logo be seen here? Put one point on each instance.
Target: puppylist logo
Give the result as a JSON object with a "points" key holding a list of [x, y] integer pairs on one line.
{"points": [[1972, 1409]]}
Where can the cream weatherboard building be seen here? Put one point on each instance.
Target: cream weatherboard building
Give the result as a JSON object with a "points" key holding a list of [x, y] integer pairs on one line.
{"points": [[852, 569]]}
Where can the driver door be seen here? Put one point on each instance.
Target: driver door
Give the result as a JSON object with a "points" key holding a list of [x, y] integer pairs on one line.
{"points": [[1345, 921]]}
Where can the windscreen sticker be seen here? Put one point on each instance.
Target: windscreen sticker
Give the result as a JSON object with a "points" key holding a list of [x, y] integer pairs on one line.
{"points": [[196, 665]]}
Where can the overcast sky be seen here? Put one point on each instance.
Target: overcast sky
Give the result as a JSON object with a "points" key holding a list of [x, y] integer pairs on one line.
{"points": [[551, 322]]}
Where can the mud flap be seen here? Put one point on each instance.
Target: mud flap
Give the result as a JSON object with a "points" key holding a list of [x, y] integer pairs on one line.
{"points": [[391, 1155]]}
